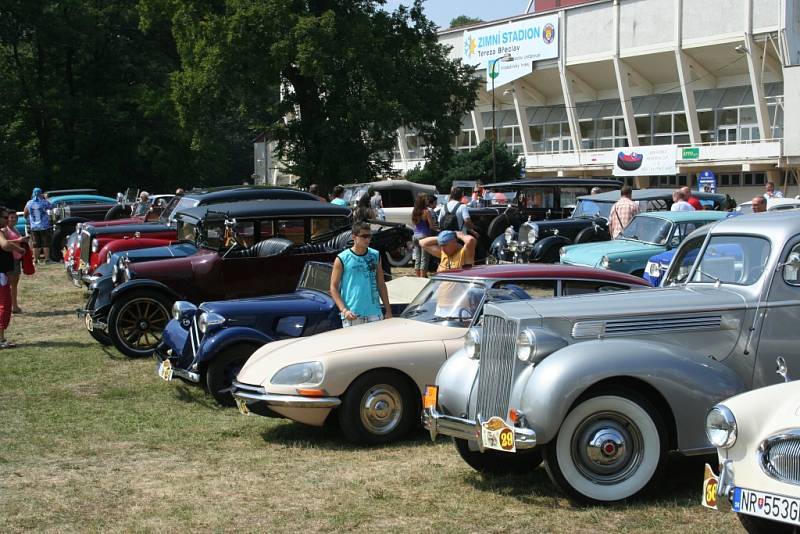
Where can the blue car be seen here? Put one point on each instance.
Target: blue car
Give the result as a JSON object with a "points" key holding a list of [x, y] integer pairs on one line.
{"points": [[209, 344], [61, 202], [658, 265]]}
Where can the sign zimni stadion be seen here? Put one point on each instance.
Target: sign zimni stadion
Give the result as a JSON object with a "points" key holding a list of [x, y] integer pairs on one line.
{"points": [[525, 41]]}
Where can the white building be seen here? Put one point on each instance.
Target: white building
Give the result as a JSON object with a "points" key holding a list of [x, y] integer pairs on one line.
{"points": [[719, 78]]}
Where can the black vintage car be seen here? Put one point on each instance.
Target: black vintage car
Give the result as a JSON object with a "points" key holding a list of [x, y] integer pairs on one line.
{"points": [[244, 249], [540, 240]]}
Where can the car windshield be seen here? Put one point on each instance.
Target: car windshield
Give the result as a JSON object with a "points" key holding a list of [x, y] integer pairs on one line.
{"points": [[446, 300], [316, 276], [187, 230], [141, 209], [591, 208], [732, 259], [648, 230], [177, 203], [353, 193]]}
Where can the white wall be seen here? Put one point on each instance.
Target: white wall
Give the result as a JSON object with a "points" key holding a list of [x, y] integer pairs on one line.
{"points": [[593, 31], [646, 24], [791, 111]]}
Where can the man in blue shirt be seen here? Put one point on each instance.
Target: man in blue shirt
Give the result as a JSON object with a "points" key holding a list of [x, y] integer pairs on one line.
{"points": [[36, 213], [357, 281]]}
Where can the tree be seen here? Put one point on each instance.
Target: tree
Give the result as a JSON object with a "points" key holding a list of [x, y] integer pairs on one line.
{"points": [[349, 75], [464, 20], [473, 165]]}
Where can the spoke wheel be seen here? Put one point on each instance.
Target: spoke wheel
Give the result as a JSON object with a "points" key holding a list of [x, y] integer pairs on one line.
{"points": [[137, 321], [610, 447], [399, 257]]}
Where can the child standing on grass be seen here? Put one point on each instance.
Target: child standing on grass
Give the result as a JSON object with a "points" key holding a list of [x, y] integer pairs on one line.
{"points": [[7, 248]]}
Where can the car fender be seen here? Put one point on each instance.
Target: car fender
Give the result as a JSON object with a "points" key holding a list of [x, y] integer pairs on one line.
{"points": [[143, 283], [456, 381], [690, 383], [543, 247], [71, 221], [213, 344]]}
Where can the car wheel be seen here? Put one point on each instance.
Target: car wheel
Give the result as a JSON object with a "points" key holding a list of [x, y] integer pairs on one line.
{"points": [[136, 322], [115, 212], [610, 447], [379, 407], [497, 463], [761, 525], [57, 243], [550, 255], [223, 369], [399, 257], [591, 235]]}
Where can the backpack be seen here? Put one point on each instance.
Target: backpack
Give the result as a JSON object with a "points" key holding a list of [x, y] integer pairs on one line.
{"points": [[450, 220]]}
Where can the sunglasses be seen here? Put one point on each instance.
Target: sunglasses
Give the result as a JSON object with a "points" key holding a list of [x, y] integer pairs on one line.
{"points": [[364, 236]]}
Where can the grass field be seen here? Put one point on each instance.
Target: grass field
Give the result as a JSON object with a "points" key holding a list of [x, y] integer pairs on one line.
{"points": [[91, 440]]}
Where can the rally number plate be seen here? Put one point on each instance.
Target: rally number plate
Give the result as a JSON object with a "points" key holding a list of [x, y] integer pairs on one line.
{"points": [[768, 505], [89, 323], [497, 435], [242, 405], [710, 483], [165, 370]]}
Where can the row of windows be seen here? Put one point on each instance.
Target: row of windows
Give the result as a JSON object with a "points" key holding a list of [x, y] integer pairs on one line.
{"points": [[723, 180]]}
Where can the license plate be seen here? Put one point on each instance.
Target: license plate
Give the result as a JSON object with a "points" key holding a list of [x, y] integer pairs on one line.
{"points": [[165, 370], [89, 323], [710, 484], [768, 505], [497, 435], [242, 405]]}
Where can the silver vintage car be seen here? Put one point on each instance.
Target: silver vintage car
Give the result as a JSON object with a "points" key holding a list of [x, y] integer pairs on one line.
{"points": [[605, 385]]}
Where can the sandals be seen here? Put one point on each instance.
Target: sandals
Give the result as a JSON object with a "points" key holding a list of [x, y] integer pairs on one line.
{"points": [[5, 344]]}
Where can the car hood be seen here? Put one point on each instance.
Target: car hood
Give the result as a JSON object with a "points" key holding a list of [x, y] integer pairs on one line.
{"points": [[592, 253], [663, 258], [272, 356], [180, 250], [304, 301], [766, 411]]}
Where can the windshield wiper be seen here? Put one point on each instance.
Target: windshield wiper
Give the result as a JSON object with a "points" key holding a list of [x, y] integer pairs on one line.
{"points": [[438, 319], [413, 312], [716, 280]]}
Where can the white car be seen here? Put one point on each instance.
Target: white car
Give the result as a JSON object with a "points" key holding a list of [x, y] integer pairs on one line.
{"points": [[757, 435], [773, 204]]}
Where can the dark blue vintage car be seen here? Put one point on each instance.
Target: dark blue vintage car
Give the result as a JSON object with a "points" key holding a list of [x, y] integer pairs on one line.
{"points": [[210, 344]]}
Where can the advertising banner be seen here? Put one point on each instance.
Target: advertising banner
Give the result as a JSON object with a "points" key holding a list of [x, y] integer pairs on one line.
{"points": [[707, 182], [524, 42], [646, 161]]}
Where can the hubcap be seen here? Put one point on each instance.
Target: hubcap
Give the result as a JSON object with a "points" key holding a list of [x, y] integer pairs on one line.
{"points": [[607, 448], [381, 409]]}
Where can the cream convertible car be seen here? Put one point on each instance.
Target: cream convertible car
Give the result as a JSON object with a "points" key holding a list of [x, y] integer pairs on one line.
{"points": [[371, 376]]}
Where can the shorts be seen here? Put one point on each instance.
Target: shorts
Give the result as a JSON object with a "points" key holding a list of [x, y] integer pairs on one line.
{"points": [[361, 320], [42, 238]]}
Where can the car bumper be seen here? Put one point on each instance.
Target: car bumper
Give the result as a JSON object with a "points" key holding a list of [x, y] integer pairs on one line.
{"points": [[162, 353], [257, 394], [93, 321], [469, 429]]}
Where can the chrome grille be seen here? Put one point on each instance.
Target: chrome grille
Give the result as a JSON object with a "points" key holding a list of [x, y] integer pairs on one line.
{"points": [[780, 457], [496, 366], [86, 246], [195, 336]]}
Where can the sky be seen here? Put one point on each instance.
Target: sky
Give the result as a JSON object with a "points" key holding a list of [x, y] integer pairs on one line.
{"points": [[441, 12]]}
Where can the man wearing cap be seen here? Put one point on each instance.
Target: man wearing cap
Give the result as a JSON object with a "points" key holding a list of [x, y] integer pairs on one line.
{"points": [[451, 253], [36, 213]]}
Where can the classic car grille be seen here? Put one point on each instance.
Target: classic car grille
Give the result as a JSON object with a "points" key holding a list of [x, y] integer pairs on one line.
{"points": [[86, 246], [780, 458], [195, 336], [654, 325], [496, 366]]}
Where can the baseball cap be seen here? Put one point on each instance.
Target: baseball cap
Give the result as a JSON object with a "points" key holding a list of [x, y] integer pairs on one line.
{"points": [[446, 236]]}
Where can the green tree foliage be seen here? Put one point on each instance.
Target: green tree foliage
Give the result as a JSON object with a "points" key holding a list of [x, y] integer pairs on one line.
{"points": [[463, 20], [473, 165], [350, 72]]}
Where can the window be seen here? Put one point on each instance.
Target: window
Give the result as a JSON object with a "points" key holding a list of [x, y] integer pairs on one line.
{"points": [[663, 125], [397, 198], [291, 229], [581, 287], [537, 197], [791, 271], [732, 259], [323, 225], [535, 289]]}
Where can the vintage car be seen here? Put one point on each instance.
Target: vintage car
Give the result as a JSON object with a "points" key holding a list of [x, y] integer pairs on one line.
{"points": [[369, 377], [757, 435], [605, 385], [773, 204], [398, 198], [541, 240], [210, 343], [88, 249], [244, 249], [647, 234]]}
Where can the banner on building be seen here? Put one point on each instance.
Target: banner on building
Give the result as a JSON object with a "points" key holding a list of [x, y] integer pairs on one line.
{"points": [[521, 42], [657, 160], [707, 182]]}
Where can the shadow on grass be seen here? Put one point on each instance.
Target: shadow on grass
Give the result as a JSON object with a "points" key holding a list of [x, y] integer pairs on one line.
{"points": [[49, 313], [680, 485], [60, 344], [195, 394], [331, 437]]}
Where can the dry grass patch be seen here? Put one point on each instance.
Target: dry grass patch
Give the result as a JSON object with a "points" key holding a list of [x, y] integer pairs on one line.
{"points": [[91, 440]]}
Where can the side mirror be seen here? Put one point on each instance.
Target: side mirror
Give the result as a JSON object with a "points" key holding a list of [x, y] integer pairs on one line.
{"points": [[782, 369]]}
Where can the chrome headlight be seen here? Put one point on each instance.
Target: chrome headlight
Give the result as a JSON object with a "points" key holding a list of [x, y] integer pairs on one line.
{"points": [[604, 262], [509, 234], [472, 343], [525, 344], [512, 246], [209, 320], [310, 373], [95, 245], [654, 269], [721, 427], [533, 234], [182, 312]]}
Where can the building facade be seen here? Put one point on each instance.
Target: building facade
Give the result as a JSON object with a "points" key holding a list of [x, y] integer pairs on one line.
{"points": [[714, 82]]}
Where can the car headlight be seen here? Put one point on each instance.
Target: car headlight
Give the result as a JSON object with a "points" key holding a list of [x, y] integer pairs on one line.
{"points": [[115, 273], [472, 343], [95, 245], [209, 320], [182, 311], [721, 427], [525, 343], [604, 263], [654, 269], [310, 373], [533, 234], [512, 246], [509, 234]]}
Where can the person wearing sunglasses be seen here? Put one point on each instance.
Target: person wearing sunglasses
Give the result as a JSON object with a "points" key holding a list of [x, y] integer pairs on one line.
{"points": [[7, 248], [357, 284]]}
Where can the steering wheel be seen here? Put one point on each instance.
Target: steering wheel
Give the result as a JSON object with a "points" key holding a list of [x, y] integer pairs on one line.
{"points": [[464, 312]]}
